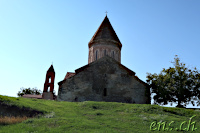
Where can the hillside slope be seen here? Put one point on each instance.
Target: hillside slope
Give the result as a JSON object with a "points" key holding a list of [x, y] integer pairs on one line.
{"points": [[99, 117]]}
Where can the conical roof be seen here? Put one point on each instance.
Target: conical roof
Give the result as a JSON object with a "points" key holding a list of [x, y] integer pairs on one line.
{"points": [[51, 69], [105, 32]]}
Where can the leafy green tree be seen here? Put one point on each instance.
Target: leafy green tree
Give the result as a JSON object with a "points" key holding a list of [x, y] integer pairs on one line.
{"points": [[177, 84], [33, 91]]}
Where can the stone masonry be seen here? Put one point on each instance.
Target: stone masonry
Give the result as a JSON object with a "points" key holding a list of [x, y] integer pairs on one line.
{"points": [[104, 78]]}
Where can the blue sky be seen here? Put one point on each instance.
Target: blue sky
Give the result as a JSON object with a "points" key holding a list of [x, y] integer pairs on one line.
{"points": [[35, 33]]}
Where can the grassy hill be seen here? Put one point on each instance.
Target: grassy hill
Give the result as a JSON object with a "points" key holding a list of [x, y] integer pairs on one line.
{"points": [[97, 117]]}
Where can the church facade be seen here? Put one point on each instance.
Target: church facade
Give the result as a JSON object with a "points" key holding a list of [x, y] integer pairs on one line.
{"points": [[104, 78]]}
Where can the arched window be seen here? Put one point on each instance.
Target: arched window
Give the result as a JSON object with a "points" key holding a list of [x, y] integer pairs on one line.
{"points": [[48, 89], [113, 54], [49, 79], [104, 92], [96, 54], [117, 55], [76, 99]]}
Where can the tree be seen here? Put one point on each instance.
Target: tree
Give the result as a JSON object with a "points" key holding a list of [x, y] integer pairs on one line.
{"points": [[177, 84], [33, 91]]}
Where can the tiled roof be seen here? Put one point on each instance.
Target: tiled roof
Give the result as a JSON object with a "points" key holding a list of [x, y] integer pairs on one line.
{"points": [[32, 96], [69, 74]]}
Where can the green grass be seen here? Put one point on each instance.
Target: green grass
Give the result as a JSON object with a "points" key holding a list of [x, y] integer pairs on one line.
{"points": [[96, 117]]}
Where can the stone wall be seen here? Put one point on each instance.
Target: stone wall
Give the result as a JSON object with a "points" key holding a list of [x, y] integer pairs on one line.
{"points": [[104, 80], [104, 48]]}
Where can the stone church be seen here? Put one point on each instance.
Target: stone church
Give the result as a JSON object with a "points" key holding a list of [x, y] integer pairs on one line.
{"points": [[104, 78]]}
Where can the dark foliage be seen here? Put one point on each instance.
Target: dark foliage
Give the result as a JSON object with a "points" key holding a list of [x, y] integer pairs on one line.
{"points": [[33, 91], [177, 84]]}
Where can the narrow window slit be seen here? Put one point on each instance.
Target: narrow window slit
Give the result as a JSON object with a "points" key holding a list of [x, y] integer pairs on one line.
{"points": [[104, 92]]}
